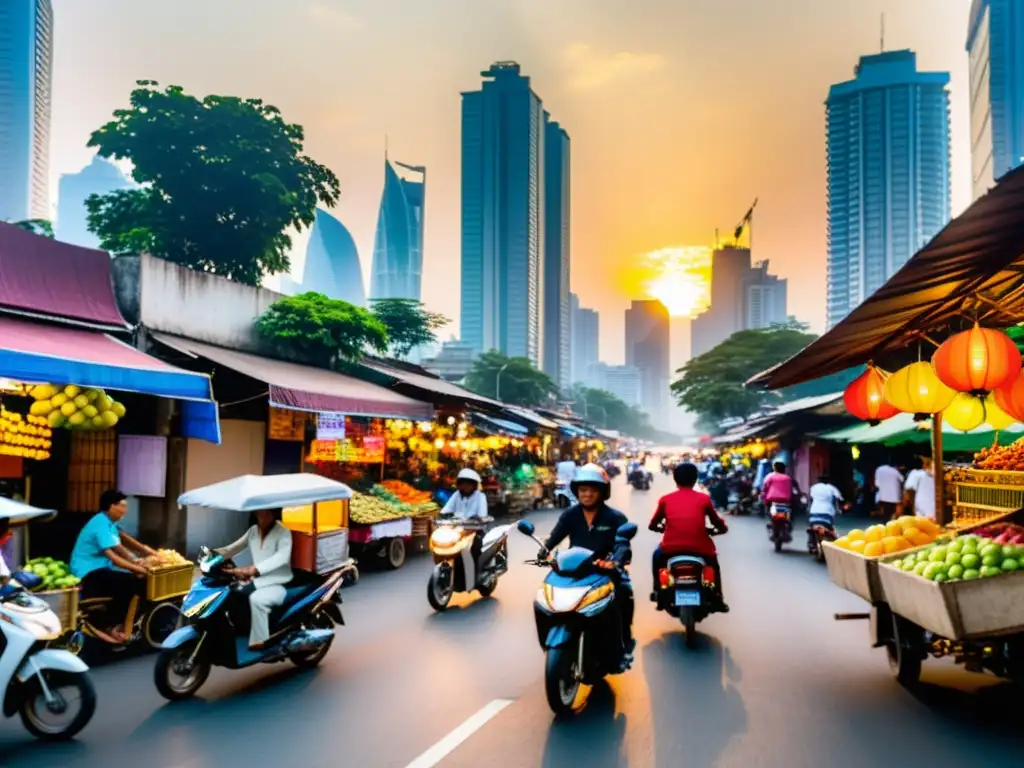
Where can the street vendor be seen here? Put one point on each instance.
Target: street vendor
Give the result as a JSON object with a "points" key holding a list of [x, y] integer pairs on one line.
{"points": [[469, 501]]}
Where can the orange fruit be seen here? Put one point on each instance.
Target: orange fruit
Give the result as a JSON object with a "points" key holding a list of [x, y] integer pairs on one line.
{"points": [[858, 546], [928, 525], [874, 549], [892, 544], [893, 528], [855, 535], [842, 542], [907, 521], [874, 533]]}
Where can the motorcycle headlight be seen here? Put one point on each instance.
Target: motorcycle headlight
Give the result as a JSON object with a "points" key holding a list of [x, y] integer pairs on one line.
{"points": [[596, 595], [563, 599], [446, 537]]}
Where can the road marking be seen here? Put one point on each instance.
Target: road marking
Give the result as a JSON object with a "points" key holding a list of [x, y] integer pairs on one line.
{"points": [[451, 742]]}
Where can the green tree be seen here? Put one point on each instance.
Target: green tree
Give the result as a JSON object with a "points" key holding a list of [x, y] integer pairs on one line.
{"points": [[408, 323], [42, 227], [606, 411], [510, 379], [222, 178], [321, 330]]}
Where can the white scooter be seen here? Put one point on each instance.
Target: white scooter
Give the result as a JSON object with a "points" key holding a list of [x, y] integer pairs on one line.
{"points": [[564, 497], [455, 568]]}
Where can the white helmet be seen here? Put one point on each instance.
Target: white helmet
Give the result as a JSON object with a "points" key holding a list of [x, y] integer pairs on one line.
{"points": [[468, 474], [592, 474]]}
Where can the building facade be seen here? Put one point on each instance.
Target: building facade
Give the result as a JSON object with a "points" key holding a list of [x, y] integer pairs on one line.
{"points": [[888, 173], [556, 307], [765, 298], [332, 262], [453, 361], [623, 381], [995, 48], [586, 336], [502, 214], [26, 56], [397, 269], [648, 350], [99, 177]]}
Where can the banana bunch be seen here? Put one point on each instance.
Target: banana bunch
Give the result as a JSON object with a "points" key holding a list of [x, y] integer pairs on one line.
{"points": [[366, 510], [73, 407]]}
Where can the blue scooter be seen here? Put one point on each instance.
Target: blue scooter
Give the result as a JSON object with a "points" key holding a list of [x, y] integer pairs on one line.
{"points": [[302, 629]]}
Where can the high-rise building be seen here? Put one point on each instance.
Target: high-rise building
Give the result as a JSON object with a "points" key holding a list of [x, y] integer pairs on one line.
{"points": [[556, 309], [995, 47], [397, 269], [888, 173], [332, 262], [453, 361], [99, 177], [647, 350], [586, 335], [623, 381], [765, 298], [502, 214], [26, 56]]}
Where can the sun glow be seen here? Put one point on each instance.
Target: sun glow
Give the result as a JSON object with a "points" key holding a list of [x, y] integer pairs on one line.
{"points": [[679, 277]]}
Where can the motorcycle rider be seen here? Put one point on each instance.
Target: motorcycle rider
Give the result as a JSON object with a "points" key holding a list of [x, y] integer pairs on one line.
{"points": [[468, 503], [684, 514], [825, 501], [592, 524]]}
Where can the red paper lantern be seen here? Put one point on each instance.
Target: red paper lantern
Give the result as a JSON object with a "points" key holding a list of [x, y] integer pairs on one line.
{"points": [[865, 398], [978, 361], [1010, 397]]}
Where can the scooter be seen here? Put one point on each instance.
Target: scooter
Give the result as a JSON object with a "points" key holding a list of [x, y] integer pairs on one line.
{"points": [[578, 623], [687, 591], [817, 534], [217, 633], [564, 497], [37, 682], [780, 529], [455, 567], [640, 479]]}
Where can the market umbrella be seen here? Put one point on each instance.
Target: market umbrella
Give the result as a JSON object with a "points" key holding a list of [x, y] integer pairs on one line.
{"points": [[903, 429], [19, 513], [250, 493]]}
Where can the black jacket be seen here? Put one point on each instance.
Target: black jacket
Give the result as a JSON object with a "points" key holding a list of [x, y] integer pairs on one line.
{"points": [[599, 539]]}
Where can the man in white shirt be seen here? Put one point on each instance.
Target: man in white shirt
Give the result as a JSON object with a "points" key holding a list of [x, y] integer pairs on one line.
{"points": [[921, 482], [468, 501], [565, 471], [889, 483]]}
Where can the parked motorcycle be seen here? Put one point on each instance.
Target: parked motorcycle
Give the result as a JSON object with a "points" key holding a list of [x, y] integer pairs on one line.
{"points": [[780, 528], [455, 567], [687, 590], [50, 689], [817, 534], [302, 628], [579, 626]]}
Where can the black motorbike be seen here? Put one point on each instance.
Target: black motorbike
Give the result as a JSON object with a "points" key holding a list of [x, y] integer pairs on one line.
{"points": [[818, 532], [688, 591], [579, 625], [640, 479]]}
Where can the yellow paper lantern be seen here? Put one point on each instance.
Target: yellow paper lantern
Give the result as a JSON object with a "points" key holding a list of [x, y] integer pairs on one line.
{"points": [[965, 413], [916, 389], [995, 416]]}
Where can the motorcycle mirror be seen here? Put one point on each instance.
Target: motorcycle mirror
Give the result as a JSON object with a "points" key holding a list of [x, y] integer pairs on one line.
{"points": [[525, 526], [626, 531]]}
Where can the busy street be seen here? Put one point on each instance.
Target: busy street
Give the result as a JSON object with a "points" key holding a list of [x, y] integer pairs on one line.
{"points": [[776, 681]]}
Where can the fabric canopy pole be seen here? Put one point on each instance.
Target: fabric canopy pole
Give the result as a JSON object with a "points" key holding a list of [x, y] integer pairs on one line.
{"points": [[938, 470]]}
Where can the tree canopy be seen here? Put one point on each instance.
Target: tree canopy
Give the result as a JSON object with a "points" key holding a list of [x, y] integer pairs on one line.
{"points": [[223, 179], [408, 323], [510, 379], [603, 409], [42, 227], [321, 330]]}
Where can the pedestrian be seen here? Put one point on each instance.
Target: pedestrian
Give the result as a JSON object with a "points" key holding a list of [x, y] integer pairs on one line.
{"points": [[920, 489], [889, 483]]}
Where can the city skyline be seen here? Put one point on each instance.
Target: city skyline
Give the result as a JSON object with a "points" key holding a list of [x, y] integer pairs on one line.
{"points": [[397, 267], [730, 134]]}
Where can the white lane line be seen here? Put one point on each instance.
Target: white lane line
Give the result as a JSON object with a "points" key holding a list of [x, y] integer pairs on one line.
{"points": [[451, 742]]}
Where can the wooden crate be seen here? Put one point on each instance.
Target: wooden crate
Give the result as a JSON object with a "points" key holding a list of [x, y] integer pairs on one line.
{"points": [[169, 582], [983, 496], [854, 573], [422, 525], [64, 603]]}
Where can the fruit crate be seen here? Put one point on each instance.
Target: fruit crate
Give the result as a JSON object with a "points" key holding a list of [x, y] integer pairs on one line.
{"points": [[422, 526], [957, 610], [859, 573], [983, 496], [64, 603], [169, 581]]}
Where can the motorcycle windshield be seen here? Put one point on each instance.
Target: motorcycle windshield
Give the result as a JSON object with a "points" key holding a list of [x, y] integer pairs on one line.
{"points": [[573, 560]]}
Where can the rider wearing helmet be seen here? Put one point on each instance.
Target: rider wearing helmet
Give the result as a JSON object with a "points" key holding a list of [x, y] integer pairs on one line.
{"points": [[592, 524], [469, 501]]}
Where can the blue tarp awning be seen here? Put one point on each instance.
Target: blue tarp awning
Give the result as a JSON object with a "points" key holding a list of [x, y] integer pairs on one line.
{"points": [[492, 424]]}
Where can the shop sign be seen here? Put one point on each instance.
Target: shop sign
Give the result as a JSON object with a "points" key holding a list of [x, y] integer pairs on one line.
{"points": [[330, 426], [368, 450], [286, 424]]}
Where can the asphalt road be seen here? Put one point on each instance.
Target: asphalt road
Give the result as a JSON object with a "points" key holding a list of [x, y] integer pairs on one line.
{"points": [[775, 682]]}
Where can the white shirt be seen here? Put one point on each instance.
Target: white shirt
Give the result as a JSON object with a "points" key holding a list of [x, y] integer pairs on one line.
{"points": [[465, 507], [889, 483], [824, 497], [922, 483], [272, 554], [565, 471], [4, 570]]}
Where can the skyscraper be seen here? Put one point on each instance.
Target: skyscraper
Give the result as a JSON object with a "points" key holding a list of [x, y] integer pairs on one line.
{"points": [[647, 350], [556, 307], [397, 268], [332, 262], [765, 298], [502, 212], [26, 54], [995, 47], [586, 332], [888, 173], [99, 177]]}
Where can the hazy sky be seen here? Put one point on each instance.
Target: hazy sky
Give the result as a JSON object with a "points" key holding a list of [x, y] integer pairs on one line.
{"points": [[680, 111]]}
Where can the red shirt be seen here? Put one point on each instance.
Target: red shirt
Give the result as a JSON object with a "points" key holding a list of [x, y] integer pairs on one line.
{"points": [[684, 513]]}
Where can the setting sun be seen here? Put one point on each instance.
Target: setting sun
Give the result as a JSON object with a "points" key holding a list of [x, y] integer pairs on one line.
{"points": [[678, 276]]}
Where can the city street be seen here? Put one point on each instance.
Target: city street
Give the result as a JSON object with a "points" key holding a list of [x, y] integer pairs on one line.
{"points": [[775, 682]]}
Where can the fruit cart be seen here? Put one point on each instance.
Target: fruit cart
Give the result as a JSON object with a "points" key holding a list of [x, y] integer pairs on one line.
{"points": [[389, 520]]}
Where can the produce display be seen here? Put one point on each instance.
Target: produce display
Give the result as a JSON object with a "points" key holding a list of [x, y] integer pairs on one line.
{"points": [[73, 407], [1006, 458], [1002, 533], [404, 492], [381, 505], [964, 558], [164, 558], [897, 535], [54, 573]]}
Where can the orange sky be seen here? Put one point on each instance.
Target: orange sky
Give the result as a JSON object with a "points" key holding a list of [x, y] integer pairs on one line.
{"points": [[680, 111]]}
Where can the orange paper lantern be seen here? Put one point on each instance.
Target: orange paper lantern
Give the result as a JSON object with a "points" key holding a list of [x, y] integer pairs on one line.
{"points": [[978, 361], [864, 397], [1010, 397]]}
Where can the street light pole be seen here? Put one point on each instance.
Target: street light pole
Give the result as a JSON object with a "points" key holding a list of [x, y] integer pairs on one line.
{"points": [[497, 382]]}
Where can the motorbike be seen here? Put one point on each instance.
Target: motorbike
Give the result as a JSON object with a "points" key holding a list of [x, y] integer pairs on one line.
{"points": [[455, 567], [818, 532], [579, 626], [564, 497], [732, 505], [640, 479], [780, 528], [612, 468], [687, 591]]}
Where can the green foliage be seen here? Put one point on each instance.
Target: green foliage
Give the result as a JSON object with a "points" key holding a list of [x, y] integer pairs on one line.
{"points": [[520, 383], [606, 411], [408, 323], [321, 330], [42, 227], [223, 179]]}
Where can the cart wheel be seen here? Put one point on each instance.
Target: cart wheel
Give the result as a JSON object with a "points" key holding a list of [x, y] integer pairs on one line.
{"points": [[160, 622], [395, 553], [906, 651]]}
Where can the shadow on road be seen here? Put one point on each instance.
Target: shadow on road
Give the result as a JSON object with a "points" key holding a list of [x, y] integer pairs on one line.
{"points": [[695, 704], [994, 709], [594, 738], [469, 610]]}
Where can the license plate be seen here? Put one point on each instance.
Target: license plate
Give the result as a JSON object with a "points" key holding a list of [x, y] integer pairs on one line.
{"points": [[687, 598]]}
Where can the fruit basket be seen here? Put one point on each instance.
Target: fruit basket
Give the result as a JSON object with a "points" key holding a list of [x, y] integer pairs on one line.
{"points": [[985, 495], [168, 581], [64, 603]]}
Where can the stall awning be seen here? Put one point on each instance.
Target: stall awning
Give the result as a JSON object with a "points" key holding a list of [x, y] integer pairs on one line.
{"points": [[903, 429], [971, 268], [426, 383], [305, 388], [531, 416], [500, 426]]}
